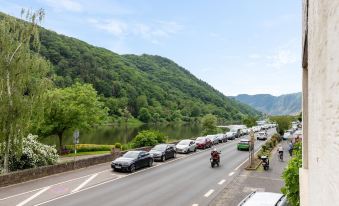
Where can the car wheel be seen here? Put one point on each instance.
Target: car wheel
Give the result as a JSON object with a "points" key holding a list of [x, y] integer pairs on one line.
{"points": [[195, 149], [132, 168], [163, 158], [150, 163], [174, 154]]}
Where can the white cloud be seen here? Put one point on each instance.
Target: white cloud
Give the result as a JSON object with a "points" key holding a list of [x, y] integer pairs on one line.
{"points": [[113, 26], [281, 58], [62, 5], [152, 32]]}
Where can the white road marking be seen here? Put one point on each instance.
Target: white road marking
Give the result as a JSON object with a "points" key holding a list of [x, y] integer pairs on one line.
{"points": [[195, 205], [221, 182], [33, 196], [85, 183], [209, 193], [230, 174]]}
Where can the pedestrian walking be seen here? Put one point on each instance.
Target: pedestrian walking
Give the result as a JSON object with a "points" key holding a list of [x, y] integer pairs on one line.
{"points": [[290, 148]]}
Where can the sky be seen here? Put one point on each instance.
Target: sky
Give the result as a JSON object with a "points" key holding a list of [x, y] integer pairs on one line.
{"points": [[237, 46]]}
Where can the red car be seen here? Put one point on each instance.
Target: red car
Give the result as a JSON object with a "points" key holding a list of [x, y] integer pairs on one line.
{"points": [[203, 142]]}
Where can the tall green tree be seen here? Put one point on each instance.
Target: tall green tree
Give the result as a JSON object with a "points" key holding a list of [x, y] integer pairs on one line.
{"points": [[22, 79], [250, 121], [209, 124], [144, 115], [75, 107]]}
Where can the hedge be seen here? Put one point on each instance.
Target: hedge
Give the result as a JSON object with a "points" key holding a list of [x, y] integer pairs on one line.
{"points": [[89, 147]]}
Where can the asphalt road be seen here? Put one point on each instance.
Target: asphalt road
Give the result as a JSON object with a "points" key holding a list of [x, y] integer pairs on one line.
{"points": [[186, 180]]}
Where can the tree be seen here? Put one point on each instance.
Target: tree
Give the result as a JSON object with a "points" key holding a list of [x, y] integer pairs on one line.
{"points": [[250, 121], [22, 79], [144, 115], [284, 122], [209, 124], [75, 107]]}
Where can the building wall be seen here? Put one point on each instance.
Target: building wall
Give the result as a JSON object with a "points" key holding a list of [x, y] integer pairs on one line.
{"points": [[320, 173]]}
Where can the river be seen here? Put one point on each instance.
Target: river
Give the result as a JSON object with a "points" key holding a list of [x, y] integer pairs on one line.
{"points": [[122, 134]]}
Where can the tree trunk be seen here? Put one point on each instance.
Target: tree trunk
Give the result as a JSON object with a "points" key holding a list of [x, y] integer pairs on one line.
{"points": [[6, 158], [60, 142]]}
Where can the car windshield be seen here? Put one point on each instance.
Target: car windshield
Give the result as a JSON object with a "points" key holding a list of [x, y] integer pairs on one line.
{"points": [[200, 139], [184, 142], [132, 154], [160, 147], [244, 141]]}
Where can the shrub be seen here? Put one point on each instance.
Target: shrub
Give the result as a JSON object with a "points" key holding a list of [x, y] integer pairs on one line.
{"points": [[89, 147], [33, 154], [118, 145], [124, 147], [291, 176], [148, 138]]}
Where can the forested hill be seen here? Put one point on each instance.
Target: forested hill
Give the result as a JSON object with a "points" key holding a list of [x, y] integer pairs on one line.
{"points": [[275, 105], [153, 88]]}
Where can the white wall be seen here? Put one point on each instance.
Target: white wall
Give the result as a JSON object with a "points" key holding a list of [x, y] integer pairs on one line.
{"points": [[320, 182]]}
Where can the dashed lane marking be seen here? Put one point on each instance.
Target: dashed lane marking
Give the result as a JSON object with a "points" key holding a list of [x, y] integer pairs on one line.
{"points": [[209, 193], [221, 182], [85, 182], [33, 196], [230, 174]]}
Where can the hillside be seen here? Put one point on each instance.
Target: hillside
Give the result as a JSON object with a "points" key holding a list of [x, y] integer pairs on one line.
{"points": [[274, 105], [157, 86]]}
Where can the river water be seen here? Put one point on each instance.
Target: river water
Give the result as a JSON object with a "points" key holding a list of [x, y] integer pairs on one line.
{"points": [[122, 134]]}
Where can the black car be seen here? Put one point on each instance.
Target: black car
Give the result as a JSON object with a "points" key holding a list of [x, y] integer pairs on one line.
{"points": [[132, 160], [163, 152]]}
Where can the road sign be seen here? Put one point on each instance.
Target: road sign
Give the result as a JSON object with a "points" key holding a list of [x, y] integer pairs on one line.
{"points": [[76, 137]]}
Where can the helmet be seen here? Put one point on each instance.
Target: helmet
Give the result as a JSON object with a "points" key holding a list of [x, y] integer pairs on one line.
{"points": [[215, 149]]}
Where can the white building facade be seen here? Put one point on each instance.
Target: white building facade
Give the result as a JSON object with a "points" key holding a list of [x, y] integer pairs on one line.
{"points": [[319, 175]]}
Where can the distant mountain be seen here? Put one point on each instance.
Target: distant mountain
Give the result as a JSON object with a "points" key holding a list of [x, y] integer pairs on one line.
{"points": [[274, 105]]}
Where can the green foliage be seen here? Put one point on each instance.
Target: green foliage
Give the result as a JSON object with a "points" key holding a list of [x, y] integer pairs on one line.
{"points": [[250, 121], [33, 154], [118, 145], [75, 107], [144, 115], [209, 124], [148, 138], [269, 145], [291, 176], [284, 122], [89, 147], [135, 82], [23, 79]]}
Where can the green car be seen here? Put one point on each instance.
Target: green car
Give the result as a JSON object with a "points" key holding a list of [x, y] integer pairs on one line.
{"points": [[244, 144]]}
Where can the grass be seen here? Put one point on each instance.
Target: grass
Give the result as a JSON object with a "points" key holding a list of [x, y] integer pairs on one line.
{"points": [[86, 153]]}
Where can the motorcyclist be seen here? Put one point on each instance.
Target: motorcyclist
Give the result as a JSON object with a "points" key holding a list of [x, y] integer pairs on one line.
{"points": [[215, 154]]}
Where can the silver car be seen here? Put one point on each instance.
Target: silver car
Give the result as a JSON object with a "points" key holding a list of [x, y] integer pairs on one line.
{"points": [[214, 138], [186, 146], [264, 198]]}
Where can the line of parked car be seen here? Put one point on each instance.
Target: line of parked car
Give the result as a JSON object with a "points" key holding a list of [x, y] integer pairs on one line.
{"points": [[133, 160]]}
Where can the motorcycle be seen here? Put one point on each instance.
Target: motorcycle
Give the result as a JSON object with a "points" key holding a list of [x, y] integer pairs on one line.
{"points": [[281, 155], [215, 159], [265, 162]]}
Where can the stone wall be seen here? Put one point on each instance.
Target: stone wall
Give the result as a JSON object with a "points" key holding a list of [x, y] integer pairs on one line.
{"points": [[34, 173]]}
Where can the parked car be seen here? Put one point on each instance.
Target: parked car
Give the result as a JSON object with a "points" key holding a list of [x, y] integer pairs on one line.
{"points": [[286, 135], [132, 160], [221, 138], [213, 138], [237, 132], [163, 152], [203, 142], [264, 198], [262, 136], [186, 146], [244, 144], [230, 135]]}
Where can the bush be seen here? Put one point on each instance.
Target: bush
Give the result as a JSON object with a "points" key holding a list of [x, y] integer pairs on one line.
{"points": [[148, 138], [291, 176], [34, 154], [89, 147], [118, 145]]}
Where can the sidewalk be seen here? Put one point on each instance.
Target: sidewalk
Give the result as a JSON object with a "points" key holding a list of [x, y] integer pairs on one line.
{"points": [[259, 180]]}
